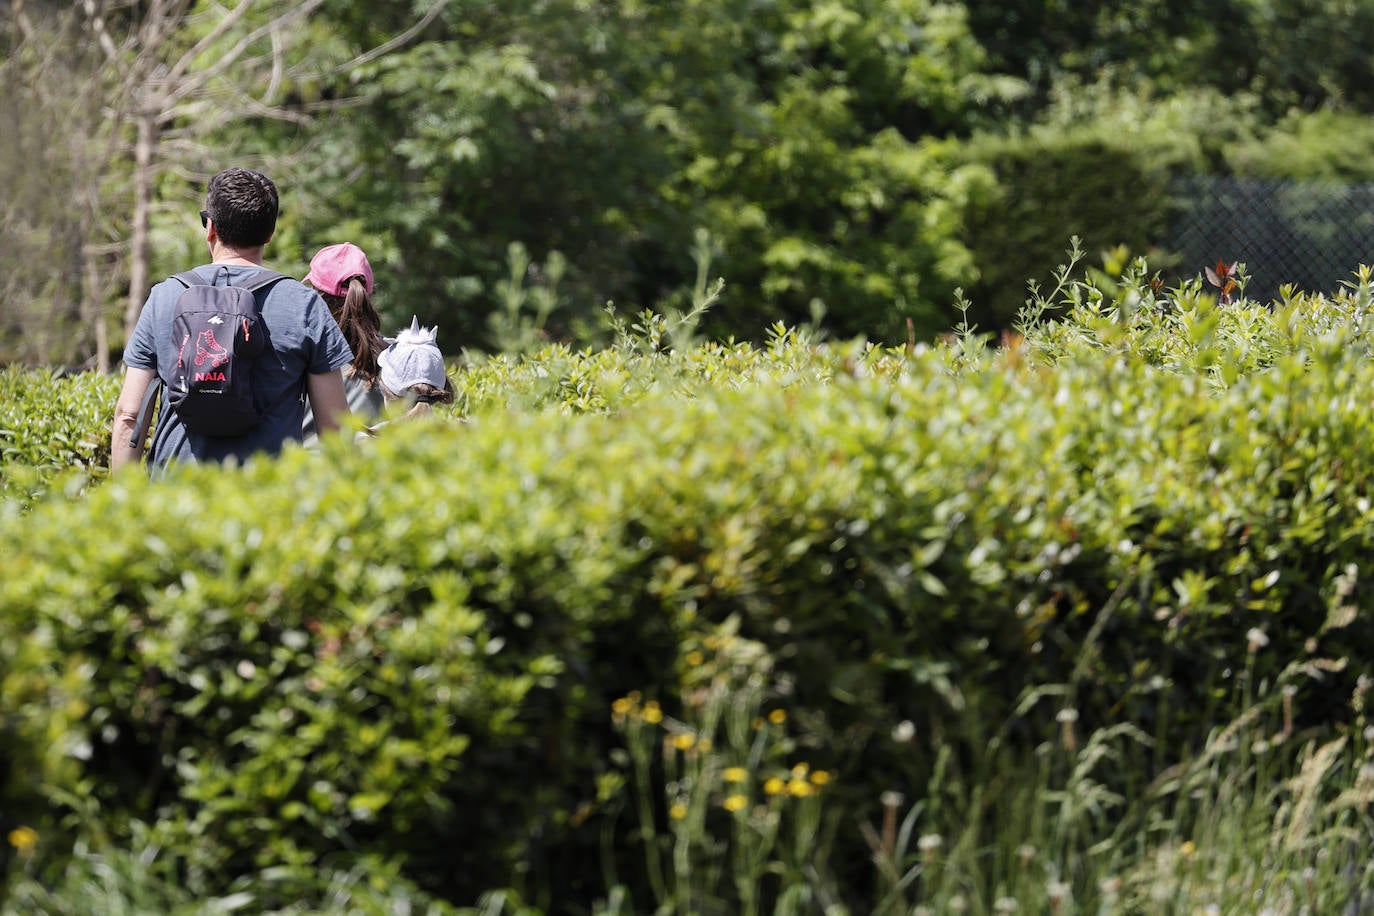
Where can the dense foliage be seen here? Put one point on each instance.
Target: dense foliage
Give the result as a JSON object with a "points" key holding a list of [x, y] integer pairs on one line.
{"points": [[54, 433], [451, 653], [1286, 55]]}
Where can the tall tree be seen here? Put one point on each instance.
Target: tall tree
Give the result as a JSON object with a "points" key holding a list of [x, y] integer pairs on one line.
{"points": [[113, 96], [795, 131], [1303, 54], [54, 233], [189, 70]]}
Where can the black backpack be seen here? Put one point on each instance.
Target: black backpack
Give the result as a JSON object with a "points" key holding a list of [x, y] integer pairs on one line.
{"points": [[217, 331]]}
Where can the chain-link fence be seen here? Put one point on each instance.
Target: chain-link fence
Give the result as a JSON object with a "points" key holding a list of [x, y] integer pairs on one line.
{"points": [[1310, 234]]}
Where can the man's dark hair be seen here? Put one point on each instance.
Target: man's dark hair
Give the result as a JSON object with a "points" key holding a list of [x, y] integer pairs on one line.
{"points": [[242, 204]]}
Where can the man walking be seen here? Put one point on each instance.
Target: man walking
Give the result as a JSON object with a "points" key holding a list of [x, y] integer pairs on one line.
{"points": [[303, 355]]}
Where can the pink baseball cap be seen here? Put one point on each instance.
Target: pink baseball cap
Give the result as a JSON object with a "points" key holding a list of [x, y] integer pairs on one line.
{"points": [[334, 265]]}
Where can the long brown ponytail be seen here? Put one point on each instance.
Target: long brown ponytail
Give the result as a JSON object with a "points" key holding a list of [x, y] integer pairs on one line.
{"points": [[361, 326]]}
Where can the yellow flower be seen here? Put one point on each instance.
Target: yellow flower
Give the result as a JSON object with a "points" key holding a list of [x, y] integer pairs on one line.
{"points": [[1188, 848], [622, 706], [777, 716], [735, 802], [684, 742], [820, 777], [800, 770], [652, 713], [695, 659], [735, 774], [678, 811], [774, 786], [23, 839], [800, 788]]}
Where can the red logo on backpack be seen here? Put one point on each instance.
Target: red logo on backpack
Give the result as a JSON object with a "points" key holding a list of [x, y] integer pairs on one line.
{"points": [[207, 348]]}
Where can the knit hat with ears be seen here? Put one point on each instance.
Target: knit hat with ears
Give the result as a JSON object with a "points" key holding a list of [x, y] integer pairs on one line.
{"points": [[413, 358], [334, 265]]}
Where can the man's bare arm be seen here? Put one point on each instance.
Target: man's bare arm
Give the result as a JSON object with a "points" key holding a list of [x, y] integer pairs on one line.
{"points": [[126, 439], [328, 400]]}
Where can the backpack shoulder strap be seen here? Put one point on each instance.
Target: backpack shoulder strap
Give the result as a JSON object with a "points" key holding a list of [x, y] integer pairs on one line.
{"points": [[145, 413], [263, 279]]}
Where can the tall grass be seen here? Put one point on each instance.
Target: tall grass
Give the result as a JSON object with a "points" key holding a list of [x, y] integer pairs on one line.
{"points": [[729, 817]]}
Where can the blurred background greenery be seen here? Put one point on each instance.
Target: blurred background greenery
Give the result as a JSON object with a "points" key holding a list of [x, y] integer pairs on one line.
{"points": [[511, 168]]}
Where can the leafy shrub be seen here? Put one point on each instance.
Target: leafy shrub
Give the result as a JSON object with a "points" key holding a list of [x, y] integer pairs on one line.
{"points": [[54, 432], [409, 649], [264, 698]]}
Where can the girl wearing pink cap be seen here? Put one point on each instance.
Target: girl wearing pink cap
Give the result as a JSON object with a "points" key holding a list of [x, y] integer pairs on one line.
{"points": [[343, 278]]}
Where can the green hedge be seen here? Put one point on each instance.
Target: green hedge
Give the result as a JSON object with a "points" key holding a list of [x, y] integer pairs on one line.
{"points": [[54, 432], [407, 651]]}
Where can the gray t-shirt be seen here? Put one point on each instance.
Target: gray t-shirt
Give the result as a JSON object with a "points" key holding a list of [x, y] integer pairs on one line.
{"points": [[302, 340]]}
